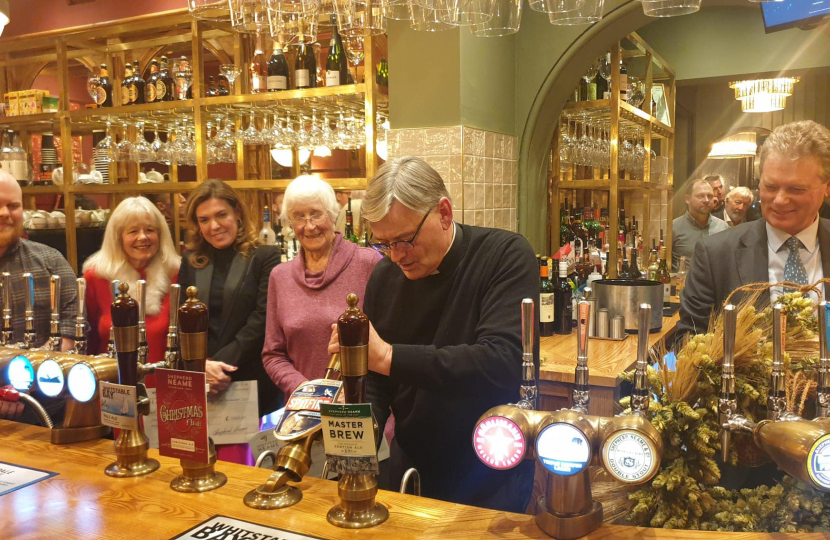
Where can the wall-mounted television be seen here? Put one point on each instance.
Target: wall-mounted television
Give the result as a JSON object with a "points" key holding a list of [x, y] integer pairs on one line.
{"points": [[794, 14]]}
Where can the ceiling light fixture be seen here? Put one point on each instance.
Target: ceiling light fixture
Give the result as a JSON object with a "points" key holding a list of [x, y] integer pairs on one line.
{"points": [[764, 95], [738, 145], [4, 15]]}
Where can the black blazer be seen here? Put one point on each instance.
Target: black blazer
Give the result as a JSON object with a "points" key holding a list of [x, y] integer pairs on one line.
{"points": [[243, 316], [728, 260]]}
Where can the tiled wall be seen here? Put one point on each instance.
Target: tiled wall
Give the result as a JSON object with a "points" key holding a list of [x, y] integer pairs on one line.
{"points": [[480, 169]]}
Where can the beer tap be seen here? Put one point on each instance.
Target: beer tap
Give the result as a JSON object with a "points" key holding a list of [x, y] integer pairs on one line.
{"points": [[823, 389], [80, 320], [141, 289], [116, 284], [132, 444], [727, 401], [8, 305], [640, 394], [566, 442], [777, 397], [581, 393], [54, 343], [171, 354], [528, 391], [29, 333]]}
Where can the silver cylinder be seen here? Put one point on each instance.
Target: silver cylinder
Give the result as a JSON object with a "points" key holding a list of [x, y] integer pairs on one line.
{"points": [[592, 318], [624, 296], [617, 327], [603, 323]]}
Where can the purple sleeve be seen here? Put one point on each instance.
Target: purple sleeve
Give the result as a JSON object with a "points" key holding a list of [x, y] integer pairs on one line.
{"points": [[275, 358]]}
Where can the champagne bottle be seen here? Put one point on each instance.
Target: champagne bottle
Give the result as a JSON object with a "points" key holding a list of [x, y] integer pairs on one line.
{"points": [[277, 70], [126, 84], [563, 302], [624, 271], [349, 234], [165, 87], [664, 277], [546, 303], [150, 85], [267, 236], [257, 68], [634, 270], [305, 67], [104, 88], [602, 86], [336, 64], [138, 86]]}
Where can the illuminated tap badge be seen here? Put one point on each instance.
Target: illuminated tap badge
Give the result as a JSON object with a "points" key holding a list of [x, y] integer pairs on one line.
{"points": [[629, 456], [302, 412], [20, 373], [50, 378], [563, 449], [818, 462], [499, 443]]}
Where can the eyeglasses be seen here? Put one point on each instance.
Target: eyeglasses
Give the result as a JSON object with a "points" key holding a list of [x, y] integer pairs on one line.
{"points": [[402, 245], [300, 221]]}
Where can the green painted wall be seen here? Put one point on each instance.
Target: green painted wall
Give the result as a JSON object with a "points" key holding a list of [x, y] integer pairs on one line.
{"points": [[488, 82]]}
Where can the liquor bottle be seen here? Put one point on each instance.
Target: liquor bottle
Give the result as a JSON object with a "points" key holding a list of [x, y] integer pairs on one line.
{"points": [[664, 277], [138, 86], [383, 73], [653, 264], [337, 67], [623, 81], [602, 86], [211, 89], [566, 235], [267, 236], [6, 154], [104, 88], [584, 268], [224, 88], [606, 92], [546, 315], [150, 85], [624, 272], [583, 90], [580, 232], [165, 87], [662, 243], [258, 68], [563, 302], [305, 67], [277, 70], [350, 235], [125, 85], [681, 275], [634, 271], [281, 245]]}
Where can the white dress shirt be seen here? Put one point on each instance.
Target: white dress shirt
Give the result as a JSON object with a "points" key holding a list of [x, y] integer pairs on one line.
{"points": [[778, 253]]}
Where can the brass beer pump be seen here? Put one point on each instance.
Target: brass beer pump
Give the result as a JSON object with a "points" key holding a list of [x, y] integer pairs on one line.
{"points": [[193, 324], [131, 445], [8, 303], [823, 388], [29, 314], [54, 343], [566, 442], [358, 508], [799, 447]]}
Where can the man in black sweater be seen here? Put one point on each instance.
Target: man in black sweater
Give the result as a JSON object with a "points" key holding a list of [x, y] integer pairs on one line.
{"points": [[445, 342]]}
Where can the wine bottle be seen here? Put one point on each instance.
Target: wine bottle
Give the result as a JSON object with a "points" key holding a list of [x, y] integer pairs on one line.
{"points": [[634, 270], [383, 73], [664, 277], [224, 87], [165, 87], [546, 320], [257, 68], [606, 92], [602, 86], [624, 271], [305, 67], [138, 86], [349, 234], [211, 89], [653, 265], [336, 64], [104, 88], [267, 236], [277, 70], [150, 85], [623, 81], [563, 302], [126, 84]]}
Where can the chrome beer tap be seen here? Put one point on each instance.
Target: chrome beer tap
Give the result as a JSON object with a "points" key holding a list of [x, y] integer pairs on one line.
{"points": [[111, 345], [777, 397], [527, 391], [80, 320], [581, 393], [727, 401], [29, 333], [171, 355], [8, 306], [54, 343], [823, 389], [640, 394], [141, 293]]}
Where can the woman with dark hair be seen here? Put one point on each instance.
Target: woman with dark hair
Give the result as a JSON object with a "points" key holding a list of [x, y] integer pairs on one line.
{"points": [[225, 261]]}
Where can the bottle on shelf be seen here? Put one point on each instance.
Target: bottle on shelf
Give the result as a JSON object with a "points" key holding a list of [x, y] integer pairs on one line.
{"points": [[623, 81], [19, 162], [337, 66], [305, 67], [267, 236], [563, 302], [165, 87], [664, 277], [350, 235], [634, 271], [624, 272], [653, 264], [49, 159], [125, 85], [150, 95], [138, 86], [224, 87], [281, 245], [257, 70], [584, 268], [277, 70], [104, 88], [606, 83], [383, 73], [6, 153], [183, 85], [546, 315], [566, 235], [681, 275], [211, 89]]}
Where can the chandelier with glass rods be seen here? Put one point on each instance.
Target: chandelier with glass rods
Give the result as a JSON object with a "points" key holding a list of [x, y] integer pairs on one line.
{"points": [[764, 95]]}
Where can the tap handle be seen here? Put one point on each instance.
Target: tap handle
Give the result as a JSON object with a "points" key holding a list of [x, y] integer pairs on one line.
{"points": [[823, 389], [779, 330], [581, 391], [29, 283], [730, 323], [643, 325], [81, 299], [116, 283], [175, 295], [194, 321], [55, 294], [8, 302], [528, 390], [777, 394], [823, 329], [125, 331], [141, 294], [527, 326], [583, 315]]}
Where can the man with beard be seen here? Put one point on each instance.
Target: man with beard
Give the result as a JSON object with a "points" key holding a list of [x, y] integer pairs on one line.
{"points": [[697, 223], [18, 256]]}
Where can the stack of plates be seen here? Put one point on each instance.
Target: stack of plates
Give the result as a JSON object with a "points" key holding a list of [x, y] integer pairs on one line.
{"points": [[101, 164]]}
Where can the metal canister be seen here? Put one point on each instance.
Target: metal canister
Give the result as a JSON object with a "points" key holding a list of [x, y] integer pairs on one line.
{"points": [[617, 327], [603, 316], [592, 318]]}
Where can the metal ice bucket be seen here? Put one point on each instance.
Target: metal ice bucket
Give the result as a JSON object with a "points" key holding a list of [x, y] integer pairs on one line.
{"points": [[623, 297]]}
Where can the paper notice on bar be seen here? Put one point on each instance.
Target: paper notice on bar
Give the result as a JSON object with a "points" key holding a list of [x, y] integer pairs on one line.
{"points": [[14, 477], [232, 416]]}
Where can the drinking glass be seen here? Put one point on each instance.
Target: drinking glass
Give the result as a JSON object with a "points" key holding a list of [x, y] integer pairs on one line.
{"points": [[106, 147], [575, 12], [141, 152], [183, 74], [92, 84], [636, 91], [504, 19], [231, 72]]}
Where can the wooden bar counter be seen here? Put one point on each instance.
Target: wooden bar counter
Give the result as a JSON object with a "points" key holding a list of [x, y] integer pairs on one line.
{"points": [[606, 360], [83, 503]]}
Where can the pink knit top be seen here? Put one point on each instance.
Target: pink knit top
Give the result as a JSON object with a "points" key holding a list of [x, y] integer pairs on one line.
{"points": [[302, 306]]}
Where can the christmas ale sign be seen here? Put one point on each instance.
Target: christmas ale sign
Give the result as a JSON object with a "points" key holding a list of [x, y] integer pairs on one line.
{"points": [[181, 409]]}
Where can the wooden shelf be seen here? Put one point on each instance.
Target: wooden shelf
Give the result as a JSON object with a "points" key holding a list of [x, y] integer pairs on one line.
{"points": [[41, 190], [630, 117], [176, 187], [31, 122]]}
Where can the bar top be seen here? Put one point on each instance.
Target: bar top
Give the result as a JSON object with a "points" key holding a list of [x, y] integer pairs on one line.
{"points": [[606, 359], [82, 502]]}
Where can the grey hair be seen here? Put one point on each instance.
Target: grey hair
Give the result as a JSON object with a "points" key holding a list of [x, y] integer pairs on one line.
{"points": [[741, 191], [309, 189], [410, 181], [797, 140]]}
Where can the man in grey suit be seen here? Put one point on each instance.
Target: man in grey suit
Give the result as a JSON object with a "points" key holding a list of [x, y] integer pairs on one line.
{"points": [[790, 243]]}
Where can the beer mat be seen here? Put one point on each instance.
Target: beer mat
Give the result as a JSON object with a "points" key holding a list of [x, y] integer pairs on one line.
{"points": [[671, 310], [224, 527], [14, 477]]}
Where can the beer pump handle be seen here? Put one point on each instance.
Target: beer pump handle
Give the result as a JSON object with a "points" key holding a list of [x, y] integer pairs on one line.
{"points": [[528, 391], [29, 334], [353, 329], [823, 390], [141, 293], [777, 397], [581, 392], [80, 319], [727, 401], [8, 303], [125, 329], [55, 319], [193, 323], [640, 394], [175, 294]]}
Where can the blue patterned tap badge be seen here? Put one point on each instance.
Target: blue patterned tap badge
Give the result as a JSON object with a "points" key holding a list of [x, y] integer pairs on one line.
{"points": [[818, 463], [563, 449]]}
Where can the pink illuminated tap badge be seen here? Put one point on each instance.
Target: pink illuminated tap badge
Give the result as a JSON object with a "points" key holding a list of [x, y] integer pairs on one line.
{"points": [[499, 443]]}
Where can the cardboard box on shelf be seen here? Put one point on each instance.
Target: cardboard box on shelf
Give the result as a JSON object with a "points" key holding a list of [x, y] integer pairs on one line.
{"points": [[12, 102]]}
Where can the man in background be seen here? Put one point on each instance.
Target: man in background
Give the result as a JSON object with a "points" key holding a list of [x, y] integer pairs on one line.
{"points": [[696, 223], [736, 205], [716, 181]]}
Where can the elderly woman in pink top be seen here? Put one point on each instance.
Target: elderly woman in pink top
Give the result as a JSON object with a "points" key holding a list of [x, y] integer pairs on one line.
{"points": [[308, 294]]}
